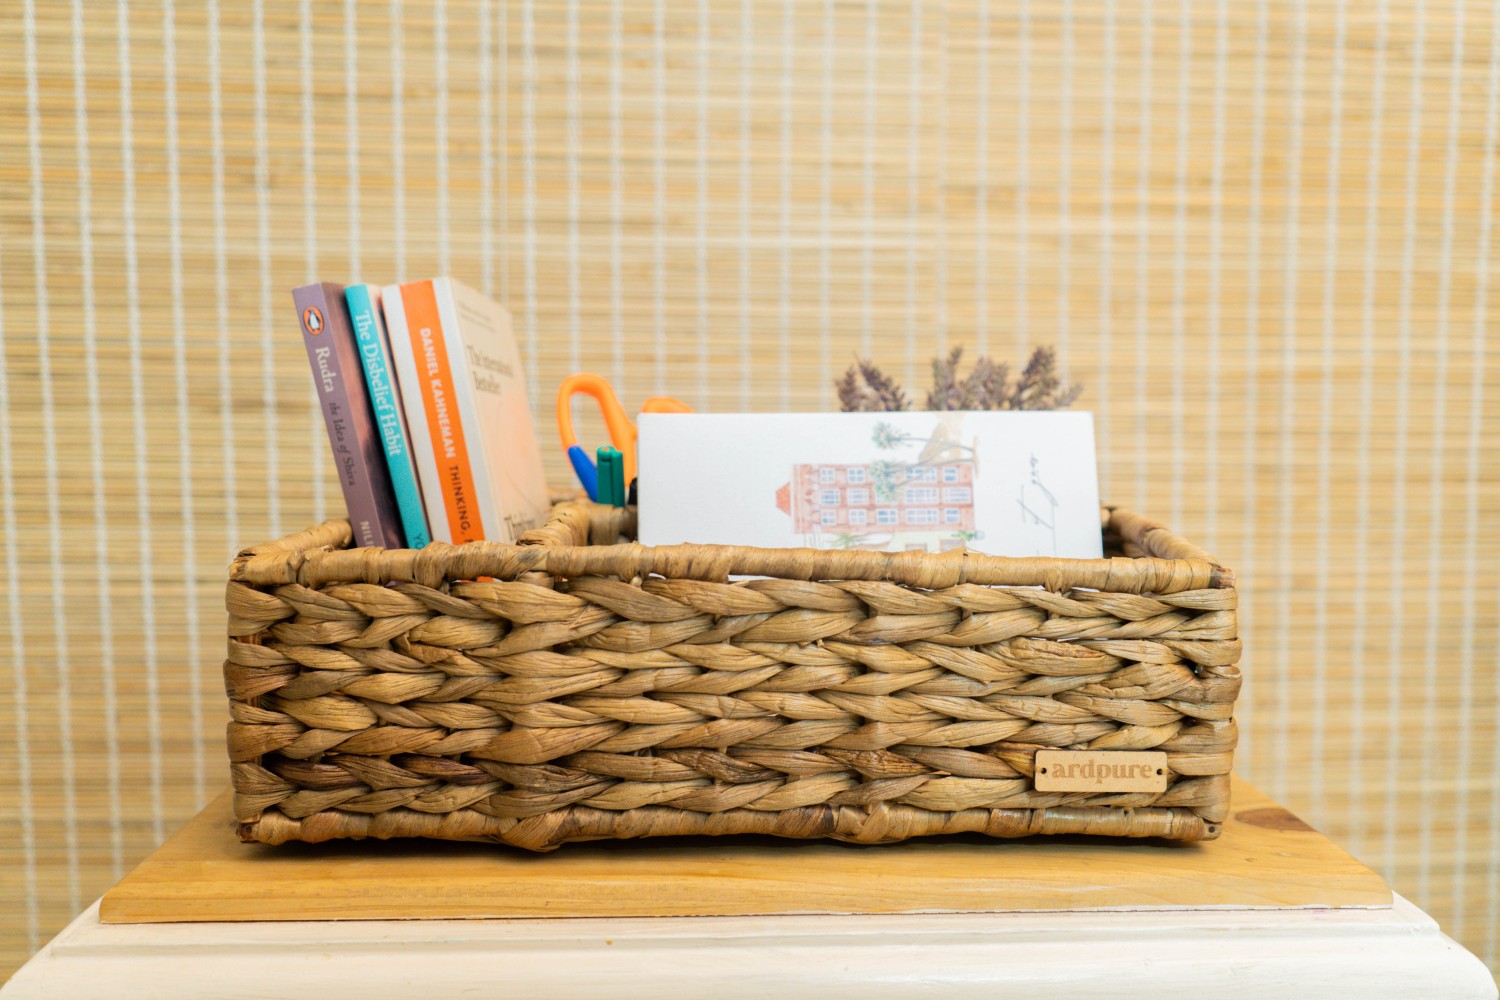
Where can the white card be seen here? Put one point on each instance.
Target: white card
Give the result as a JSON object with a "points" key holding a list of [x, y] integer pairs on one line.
{"points": [[1011, 483]]}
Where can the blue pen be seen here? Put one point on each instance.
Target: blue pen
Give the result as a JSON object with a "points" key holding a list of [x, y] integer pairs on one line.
{"points": [[585, 470]]}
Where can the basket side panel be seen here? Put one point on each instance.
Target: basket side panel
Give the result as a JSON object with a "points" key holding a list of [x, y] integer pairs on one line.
{"points": [[536, 711]]}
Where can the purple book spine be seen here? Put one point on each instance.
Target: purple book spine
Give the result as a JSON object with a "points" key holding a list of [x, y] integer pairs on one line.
{"points": [[357, 449]]}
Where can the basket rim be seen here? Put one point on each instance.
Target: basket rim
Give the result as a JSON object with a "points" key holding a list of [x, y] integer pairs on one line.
{"points": [[320, 555]]}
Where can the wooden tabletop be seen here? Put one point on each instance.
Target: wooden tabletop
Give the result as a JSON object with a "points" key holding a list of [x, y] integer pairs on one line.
{"points": [[1266, 858]]}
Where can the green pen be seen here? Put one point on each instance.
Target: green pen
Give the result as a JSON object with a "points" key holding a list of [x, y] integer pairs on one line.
{"points": [[611, 476], [617, 478]]}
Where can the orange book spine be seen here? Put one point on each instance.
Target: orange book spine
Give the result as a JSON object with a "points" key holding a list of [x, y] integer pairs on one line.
{"points": [[440, 403]]}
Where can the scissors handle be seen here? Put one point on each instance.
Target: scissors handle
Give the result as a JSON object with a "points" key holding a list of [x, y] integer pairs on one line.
{"points": [[665, 404], [622, 431], [615, 419]]}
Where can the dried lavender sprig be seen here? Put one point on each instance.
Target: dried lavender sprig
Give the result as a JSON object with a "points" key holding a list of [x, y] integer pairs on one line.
{"points": [[945, 393], [885, 388], [866, 389], [1039, 388], [985, 388]]}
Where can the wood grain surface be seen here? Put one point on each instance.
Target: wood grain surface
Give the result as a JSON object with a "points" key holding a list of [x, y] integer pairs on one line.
{"points": [[1267, 857]]}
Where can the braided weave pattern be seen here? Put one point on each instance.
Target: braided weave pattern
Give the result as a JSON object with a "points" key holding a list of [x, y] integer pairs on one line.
{"points": [[472, 695]]}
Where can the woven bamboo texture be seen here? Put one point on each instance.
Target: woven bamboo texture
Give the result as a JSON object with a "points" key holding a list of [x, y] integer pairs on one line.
{"points": [[555, 690]]}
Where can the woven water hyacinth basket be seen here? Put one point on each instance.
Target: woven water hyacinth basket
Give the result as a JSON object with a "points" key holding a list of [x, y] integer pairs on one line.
{"points": [[559, 690]]}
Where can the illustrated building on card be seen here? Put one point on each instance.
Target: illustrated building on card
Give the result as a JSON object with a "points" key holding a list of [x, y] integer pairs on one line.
{"points": [[932, 509]]}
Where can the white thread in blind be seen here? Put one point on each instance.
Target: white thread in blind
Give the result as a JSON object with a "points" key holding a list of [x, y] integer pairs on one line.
{"points": [[1435, 565], [1022, 335], [1245, 755], [308, 122], [747, 50], [351, 135], [1492, 883], [570, 167], [658, 193], [316, 435], [502, 131], [825, 209], [784, 207], [105, 606], [982, 187], [64, 672], [940, 199], [1397, 569], [146, 550], [1065, 194], [616, 200], [397, 50], [185, 500], [1179, 255], [867, 182], [486, 155], [700, 256], [1213, 328], [15, 622], [268, 395], [528, 187], [228, 466], [914, 146], [1142, 255], [1317, 780], [1104, 372], [1289, 262], [1466, 647], [1356, 785], [440, 134]]}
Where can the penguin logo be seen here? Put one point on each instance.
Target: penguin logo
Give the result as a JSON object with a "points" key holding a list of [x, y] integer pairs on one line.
{"points": [[312, 319]]}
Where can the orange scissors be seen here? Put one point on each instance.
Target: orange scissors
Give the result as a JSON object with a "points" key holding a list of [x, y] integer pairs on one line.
{"points": [[622, 431]]}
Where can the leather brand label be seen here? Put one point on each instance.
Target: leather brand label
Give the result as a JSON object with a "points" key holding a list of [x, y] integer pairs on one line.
{"points": [[1101, 771]]}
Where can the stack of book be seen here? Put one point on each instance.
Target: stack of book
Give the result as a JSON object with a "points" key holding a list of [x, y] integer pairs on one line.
{"points": [[424, 396]]}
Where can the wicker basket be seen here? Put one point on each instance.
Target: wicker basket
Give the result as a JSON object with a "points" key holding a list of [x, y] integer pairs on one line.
{"points": [[559, 690]]}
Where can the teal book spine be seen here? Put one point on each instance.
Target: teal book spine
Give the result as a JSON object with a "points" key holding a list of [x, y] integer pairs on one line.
{"points": [[380, 375]]}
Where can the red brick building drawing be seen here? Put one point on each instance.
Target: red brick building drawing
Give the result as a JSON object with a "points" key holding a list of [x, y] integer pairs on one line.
{"points": [[922, 504]]}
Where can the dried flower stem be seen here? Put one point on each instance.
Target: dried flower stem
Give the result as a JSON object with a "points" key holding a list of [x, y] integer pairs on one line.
{"points": [[865, 388]]}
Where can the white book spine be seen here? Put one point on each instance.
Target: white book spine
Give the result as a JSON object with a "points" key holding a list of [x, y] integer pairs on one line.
{"points": [[458, 334], [409, 381]]}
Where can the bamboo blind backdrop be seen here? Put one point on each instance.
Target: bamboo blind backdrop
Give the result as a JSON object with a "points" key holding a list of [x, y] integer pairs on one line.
{"points": [[1260, 233]]}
